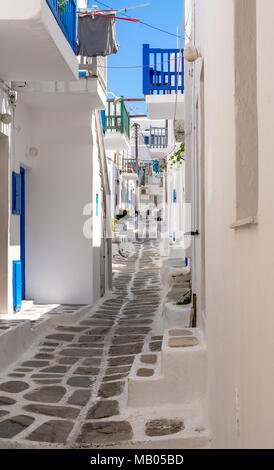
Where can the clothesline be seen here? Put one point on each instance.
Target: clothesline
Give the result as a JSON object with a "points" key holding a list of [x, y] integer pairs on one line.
{"points": [[97, 13]]}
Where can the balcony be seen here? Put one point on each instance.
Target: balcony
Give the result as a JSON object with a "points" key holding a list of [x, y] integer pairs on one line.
{"points": [[163, 79], [85, 94], [117, 132], [157, 141], [130, 169], [38, 40]]}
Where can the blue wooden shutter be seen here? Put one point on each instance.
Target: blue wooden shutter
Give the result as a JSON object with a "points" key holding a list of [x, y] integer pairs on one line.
{"points": [[97, 205], [103, 119], [17, 285], [174, 195], [16, 194]]}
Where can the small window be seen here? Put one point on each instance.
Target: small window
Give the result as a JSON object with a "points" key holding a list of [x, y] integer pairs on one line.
{"points": [[246, 118]]}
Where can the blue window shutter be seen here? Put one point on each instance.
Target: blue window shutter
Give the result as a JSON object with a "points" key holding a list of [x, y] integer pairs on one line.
{"points": [[174, 195], [146, 139], [103, 119], [17, 285], [155, 166], [97, 205], [16, 194]]}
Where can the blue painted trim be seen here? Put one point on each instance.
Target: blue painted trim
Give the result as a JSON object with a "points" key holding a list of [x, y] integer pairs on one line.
{"points": [[67, 20], [146, 70], [83, 73], [23, 232], [157, 78], [16, 193], [103, 119], [97, 205], [186, 262], [17, 285], [174, 195]]}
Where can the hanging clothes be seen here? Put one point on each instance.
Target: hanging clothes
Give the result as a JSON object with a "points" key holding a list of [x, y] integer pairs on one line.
{"points": [[96, 36]]}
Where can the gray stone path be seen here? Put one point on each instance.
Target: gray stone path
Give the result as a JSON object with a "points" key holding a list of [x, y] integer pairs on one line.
{"points": [[73, 388]]}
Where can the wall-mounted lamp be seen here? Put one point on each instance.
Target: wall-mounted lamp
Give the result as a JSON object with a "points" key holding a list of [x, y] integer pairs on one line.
{"points": [[191, 53], [32, 152], [6, 118]]}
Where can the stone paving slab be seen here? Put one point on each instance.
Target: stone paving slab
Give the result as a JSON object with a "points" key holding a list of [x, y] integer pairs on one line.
{"points": [[72, 387]]}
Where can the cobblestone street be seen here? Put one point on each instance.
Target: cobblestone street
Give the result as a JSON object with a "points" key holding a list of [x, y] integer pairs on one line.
{"points": [[72, 389]]}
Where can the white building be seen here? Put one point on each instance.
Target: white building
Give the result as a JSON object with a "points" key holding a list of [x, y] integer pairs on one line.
{"points": [[228, 120], [52, 154], [163, 86]]}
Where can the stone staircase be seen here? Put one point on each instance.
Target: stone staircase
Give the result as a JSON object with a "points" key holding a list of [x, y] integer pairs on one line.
{"points": [[167, 393]]}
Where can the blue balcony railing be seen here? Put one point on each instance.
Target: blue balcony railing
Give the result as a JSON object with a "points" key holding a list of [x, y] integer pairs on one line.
{"points": [[163, 72], [66, 18]]}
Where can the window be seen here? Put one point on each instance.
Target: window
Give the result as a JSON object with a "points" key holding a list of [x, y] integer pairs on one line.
{"points": [[246, 119]]}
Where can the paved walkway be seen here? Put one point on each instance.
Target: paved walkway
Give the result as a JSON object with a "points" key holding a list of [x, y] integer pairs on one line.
{"points": [[72, 389]]}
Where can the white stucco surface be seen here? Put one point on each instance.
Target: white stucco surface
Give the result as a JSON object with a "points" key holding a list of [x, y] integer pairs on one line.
{"points": [[32, 44], [238, 264]]}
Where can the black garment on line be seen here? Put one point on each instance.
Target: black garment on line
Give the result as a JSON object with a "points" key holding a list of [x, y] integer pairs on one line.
{"points": [[96, 36]]}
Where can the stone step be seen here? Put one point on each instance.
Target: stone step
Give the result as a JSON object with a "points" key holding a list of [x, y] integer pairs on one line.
{"points": [[179, 375], [16, 336], [171, 428]]}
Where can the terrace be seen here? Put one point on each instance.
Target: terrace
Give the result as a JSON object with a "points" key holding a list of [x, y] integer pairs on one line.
{"points": [[163, 79], [117, 126], [38, 40]]}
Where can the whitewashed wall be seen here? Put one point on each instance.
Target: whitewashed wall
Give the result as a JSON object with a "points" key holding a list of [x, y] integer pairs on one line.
{"points": [[238, 263]]}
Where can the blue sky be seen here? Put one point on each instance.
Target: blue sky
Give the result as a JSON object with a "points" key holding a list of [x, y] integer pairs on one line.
{"points": [[163, 14]]}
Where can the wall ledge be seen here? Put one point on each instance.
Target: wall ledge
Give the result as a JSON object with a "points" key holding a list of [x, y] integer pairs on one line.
{"points": [[253, 220]]}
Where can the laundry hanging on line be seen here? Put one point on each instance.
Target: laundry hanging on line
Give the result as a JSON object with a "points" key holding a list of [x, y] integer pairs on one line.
{"points": [[96, 36]]}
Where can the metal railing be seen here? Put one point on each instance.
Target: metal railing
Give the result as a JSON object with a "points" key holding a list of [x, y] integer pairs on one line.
{"points": [[163, 71], [117, 118], [66, 18], [130, 166], [158, 137]]}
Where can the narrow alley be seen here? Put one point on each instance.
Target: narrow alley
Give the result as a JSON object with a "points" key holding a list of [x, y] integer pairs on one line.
{"points": [[71, 388], [136, 247]]}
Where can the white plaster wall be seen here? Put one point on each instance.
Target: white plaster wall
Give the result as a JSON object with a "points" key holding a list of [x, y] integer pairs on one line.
{"points": [[33, 46], [20, 138], [98, 226], [58, 256], [239, 264]]}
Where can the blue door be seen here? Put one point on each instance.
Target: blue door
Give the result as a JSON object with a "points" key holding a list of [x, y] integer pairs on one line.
{"points": [[18, 209], [17, 285], [23, 232]]}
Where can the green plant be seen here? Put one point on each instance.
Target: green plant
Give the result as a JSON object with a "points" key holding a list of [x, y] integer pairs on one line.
{"points": [[114, 225], [62, 4], [177, 156]]}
